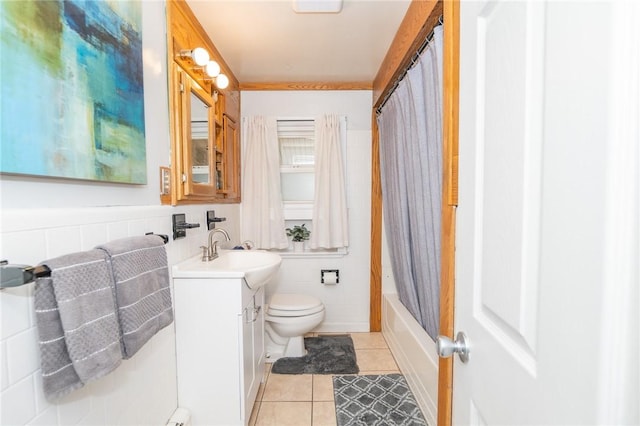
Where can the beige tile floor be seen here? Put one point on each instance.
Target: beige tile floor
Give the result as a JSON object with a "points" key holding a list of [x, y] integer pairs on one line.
{"points": [[307, 399]]}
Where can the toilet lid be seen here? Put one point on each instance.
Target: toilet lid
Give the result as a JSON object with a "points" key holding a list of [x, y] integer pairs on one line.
{"points": [[273, 314], [294, 302]]}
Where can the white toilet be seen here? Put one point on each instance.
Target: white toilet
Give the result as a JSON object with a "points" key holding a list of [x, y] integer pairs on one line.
{"points": [[288, 318]]}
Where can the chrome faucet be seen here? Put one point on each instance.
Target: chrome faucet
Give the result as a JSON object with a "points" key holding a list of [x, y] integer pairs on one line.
{"points": [[212, 248]]}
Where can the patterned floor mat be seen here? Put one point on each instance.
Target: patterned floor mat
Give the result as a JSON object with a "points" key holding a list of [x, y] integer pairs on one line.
{"points": [[375, 400]]}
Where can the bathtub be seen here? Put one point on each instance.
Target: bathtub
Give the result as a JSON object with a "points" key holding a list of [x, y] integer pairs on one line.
{"points": [[414, 352]]}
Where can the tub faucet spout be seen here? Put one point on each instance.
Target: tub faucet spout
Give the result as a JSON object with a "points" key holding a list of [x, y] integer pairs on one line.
{"points": [[212, 249]]}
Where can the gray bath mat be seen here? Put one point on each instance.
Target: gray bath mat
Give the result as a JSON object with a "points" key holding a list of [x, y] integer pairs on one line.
{"points": [[325, 355], [382, 400]]}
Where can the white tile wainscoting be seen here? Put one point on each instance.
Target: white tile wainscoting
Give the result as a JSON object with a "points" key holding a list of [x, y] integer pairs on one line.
{"points": [[142, 391]]}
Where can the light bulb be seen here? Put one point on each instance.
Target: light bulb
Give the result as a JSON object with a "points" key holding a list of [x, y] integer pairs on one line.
{"points": [[212, 69], [200, 56], [222, 81]]}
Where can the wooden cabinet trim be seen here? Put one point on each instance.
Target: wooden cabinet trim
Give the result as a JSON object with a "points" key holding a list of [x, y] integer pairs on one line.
{"points": [[185, 32]]}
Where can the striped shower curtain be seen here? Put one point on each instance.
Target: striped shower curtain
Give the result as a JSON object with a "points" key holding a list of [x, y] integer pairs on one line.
{"points": [[410, 129]]}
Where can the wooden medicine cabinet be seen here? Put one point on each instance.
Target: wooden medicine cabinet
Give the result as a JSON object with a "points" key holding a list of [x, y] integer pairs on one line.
{"points": [[205, 148]]}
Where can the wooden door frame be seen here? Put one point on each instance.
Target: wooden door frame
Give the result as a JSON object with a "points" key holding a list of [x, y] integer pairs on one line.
{"points": [[419, 21]]}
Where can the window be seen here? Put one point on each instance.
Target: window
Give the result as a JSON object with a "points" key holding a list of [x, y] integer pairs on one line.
{"points": [[296, 139], [297, 145]]}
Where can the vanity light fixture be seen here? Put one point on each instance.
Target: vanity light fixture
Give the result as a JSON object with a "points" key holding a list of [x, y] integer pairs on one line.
{"points": [[212, 69], [199, 56], [212, 73], [222, 81]]}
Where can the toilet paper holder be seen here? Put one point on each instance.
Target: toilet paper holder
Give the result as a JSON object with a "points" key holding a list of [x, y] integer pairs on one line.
{"points": [[330, 276]]}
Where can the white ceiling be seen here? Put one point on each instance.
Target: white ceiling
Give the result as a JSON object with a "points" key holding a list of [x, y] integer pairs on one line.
{"points": [[266, 41]]}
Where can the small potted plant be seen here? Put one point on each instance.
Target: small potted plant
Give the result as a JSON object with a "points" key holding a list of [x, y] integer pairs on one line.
{"points": [[298, 234]]}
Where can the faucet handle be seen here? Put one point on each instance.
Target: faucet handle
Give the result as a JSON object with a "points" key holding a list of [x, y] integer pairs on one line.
{"points": [[205, 253]]}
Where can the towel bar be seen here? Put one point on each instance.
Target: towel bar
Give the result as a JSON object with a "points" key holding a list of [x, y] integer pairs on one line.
{"points": [[17, 275]]}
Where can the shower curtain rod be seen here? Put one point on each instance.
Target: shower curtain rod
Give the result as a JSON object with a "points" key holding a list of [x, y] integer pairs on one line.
{"points": [[414, 58]]}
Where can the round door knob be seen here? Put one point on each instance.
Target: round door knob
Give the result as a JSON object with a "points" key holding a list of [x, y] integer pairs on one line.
{"points": [[447, 347]]}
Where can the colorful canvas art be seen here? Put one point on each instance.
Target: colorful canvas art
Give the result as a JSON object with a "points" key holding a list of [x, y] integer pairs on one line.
{"points": [[72, 100]]}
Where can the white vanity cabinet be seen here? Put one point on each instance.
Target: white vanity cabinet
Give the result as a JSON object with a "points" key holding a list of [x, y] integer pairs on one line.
{"points": [[219, 348]]}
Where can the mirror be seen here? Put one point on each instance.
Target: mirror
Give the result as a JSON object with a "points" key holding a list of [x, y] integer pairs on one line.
{"points": [[194, 132], [198, 159], [204, 169], [200, 126]]}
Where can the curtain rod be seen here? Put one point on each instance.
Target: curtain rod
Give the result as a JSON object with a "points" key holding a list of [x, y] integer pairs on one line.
{"points": [[414, 58]]}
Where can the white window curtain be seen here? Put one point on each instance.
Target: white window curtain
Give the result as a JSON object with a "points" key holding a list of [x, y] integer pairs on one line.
{"points": [[262, 214], [329, 227], [410, 128]]}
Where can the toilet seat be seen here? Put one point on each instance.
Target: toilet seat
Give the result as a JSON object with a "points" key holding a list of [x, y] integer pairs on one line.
{"points": [[293, 305], [287, 318]]}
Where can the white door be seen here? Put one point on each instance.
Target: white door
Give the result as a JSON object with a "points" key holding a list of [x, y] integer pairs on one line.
{"points": [[537, 222]]}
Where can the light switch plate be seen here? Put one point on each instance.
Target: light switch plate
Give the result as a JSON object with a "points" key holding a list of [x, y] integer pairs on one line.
{"points": [[165, 180]]}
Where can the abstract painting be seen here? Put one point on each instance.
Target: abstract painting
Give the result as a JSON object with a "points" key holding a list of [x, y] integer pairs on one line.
{"points": [[71, 89]]}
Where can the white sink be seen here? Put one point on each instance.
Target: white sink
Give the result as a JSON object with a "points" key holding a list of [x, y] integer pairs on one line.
{"points": [[257, 267]]}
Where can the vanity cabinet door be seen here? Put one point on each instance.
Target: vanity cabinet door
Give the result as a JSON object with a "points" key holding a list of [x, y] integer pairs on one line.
{"points": [[248, 376], [253, 349], [258, 342], [220, 366], [258, 353]]}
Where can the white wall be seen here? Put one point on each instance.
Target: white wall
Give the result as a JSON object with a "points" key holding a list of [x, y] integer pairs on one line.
{"points": [[33, 192], [43, 218], [142, 391], [347, 303]]}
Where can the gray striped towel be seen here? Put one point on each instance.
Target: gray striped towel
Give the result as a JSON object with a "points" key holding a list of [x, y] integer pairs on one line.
{"points": [[77, 322], [143, 295]]}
